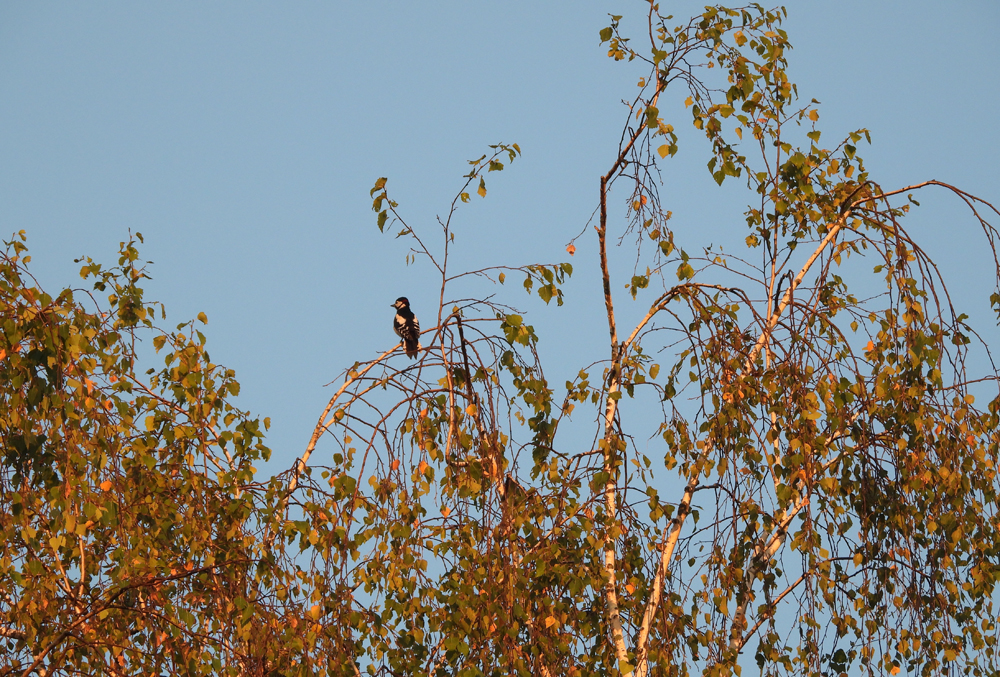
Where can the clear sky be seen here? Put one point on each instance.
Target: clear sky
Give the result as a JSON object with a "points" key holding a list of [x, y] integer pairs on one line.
{"points": [[242, 138]]}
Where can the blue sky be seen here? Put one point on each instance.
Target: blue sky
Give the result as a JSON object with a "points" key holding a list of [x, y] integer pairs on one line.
{"points": [[242, 139]]}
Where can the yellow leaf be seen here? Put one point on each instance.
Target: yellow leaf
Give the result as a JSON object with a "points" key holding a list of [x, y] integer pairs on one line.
{"points": [[315, 611], [814, 115], [550, 621], [663, 150], [445, 511], [471, 410], [422, 467], [482, 188], [688, 101]]}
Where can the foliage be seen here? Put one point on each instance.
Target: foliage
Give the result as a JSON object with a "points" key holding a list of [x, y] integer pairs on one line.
{"points": [[134, 536], [826, 501]]}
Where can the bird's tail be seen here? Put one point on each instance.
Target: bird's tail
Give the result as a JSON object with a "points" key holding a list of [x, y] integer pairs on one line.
{"points": [[411, 346]]}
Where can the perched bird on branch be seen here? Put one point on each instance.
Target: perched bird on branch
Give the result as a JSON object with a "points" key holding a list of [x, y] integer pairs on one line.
{"points": [[406, 326]]}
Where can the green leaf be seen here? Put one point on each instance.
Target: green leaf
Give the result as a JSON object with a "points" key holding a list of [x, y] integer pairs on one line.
{"points": [[652, 116], [638, 282]]}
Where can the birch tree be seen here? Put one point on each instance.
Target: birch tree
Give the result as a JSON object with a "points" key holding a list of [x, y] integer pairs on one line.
{"points": [[825, 502]]}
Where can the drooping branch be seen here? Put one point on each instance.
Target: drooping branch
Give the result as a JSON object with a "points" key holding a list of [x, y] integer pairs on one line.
{"points": [[323, 424]]}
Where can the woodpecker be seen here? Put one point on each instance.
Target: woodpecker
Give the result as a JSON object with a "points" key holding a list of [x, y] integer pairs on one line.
{"points": [[406, 326]]}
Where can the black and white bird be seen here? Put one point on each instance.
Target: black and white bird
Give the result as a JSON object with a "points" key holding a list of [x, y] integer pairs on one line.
{"points": [[406, 326]]}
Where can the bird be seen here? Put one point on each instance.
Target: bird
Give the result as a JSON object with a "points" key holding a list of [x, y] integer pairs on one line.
{"points": [[406, 326]]}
